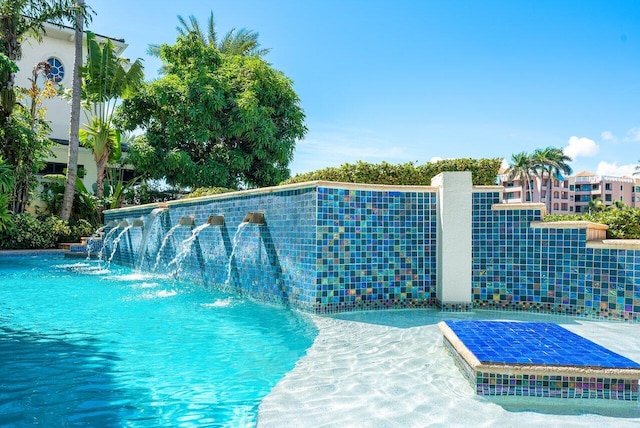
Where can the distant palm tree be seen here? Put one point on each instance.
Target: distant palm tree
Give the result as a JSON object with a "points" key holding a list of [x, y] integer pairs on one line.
{"points": [[596, 205], [521, 169], [236, 42], [550, 163], [637, 169]]}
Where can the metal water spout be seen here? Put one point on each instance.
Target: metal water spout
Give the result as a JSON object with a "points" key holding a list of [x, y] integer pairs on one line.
{"points": [[123, 223], [137, 223], [111, 223], [254, 217], [216, 220], [187, 221]]}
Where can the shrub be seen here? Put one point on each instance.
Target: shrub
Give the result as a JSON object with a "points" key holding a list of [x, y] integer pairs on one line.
{"points": [[483, 171], [623, 223], [30, 232], [207, 191]]}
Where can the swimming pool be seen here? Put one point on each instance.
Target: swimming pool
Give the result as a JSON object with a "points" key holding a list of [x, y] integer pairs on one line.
{"points": [[85, 346], [80, 345]]}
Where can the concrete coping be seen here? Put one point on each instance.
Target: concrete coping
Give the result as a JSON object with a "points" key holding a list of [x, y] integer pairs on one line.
{"points": [[512, 369], [520, 206], [615, 244], [578, 224], [276, 189]]}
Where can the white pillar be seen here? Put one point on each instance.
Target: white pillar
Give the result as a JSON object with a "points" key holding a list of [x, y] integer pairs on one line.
{"points": [[454, 225]]}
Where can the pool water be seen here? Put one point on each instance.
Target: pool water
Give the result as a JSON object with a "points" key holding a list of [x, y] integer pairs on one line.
{"points": [[81, 345]]}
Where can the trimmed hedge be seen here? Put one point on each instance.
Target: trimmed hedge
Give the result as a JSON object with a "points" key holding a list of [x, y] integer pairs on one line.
{"points": [[207, 191], [483, 172], [623, 223]]}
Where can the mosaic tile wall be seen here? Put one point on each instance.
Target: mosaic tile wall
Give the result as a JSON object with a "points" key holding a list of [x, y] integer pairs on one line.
{"points": [[376, 249], [321, 249], [517, 267], [275, 261]]}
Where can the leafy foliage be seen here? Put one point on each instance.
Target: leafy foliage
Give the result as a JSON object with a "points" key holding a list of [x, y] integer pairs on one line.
{"points": [[85, 204], [623, 223], [214, 119], [28, 231], [483, 171]]}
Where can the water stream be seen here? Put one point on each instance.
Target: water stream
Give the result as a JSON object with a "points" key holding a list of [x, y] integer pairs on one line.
{"points": [[185, 248], [116, 242], [236, 239], [153, 215], [165, 240], [105, 240]]}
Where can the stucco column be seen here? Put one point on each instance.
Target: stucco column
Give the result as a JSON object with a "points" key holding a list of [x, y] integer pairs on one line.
{"points": [[453, 259]]}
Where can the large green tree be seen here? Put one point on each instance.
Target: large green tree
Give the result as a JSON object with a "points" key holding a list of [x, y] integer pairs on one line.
{"points": [[214, 119]]}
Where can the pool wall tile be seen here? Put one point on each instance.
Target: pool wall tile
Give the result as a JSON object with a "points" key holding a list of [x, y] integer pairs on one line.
{"points": [[331, 248]]}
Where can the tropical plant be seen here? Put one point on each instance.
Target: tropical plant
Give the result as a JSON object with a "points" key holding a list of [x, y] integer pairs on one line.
{"points": [[214, 120], [596, 205], [6, 187], [521, 169], [107, 79], [85, 205], [234, 42], [623, 223]]}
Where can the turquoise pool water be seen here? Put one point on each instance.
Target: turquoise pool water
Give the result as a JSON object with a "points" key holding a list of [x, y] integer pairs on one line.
{"points": [[84, 346]]}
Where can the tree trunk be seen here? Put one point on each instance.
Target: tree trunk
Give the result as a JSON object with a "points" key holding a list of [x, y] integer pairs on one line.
{"points": [[74, 143]]}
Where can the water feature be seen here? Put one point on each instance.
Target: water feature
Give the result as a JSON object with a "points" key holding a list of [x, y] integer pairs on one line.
{"points": [[165, 241], [232, 256], [146, 233], [92, 238], [185, 248], [117, 239], [114, 228]]}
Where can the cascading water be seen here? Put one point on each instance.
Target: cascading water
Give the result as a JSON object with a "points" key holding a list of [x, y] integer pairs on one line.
{"points": [[105, 240], [234, 246], [185, 248], [116, 242], [165, 240], [145, 235], [92, 238]]}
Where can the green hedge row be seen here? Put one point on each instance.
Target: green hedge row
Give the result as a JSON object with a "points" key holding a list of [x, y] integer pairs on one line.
{"points": [[483, 171], [27, 231], [623, 223]]}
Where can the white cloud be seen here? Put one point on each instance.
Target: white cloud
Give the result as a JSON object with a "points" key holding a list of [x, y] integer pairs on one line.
{"points": [[504, 164], [435, 159], [612, 169], [633, 134], [581, 147], [608, 136]]}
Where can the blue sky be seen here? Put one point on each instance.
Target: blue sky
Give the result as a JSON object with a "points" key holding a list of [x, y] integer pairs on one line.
{"points": [[418, 80]]}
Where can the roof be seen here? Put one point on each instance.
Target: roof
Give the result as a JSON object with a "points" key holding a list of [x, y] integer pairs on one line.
{"points": [[585, 174]]}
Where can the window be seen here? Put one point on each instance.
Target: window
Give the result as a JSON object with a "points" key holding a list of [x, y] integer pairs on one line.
{"points": [[570, 208], [607, 197], [555, 206], [57, 70], [571, 187], [607, 186], [563, 207]]}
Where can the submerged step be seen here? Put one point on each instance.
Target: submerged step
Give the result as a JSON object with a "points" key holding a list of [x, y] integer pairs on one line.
{"points": [[538, 359]]}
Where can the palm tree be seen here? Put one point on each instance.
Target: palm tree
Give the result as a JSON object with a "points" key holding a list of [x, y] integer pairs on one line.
{"points": [[637, 169], [106, 79], [74, 121], [521, 169], [549, 163], [236, 42], [596, 205]]}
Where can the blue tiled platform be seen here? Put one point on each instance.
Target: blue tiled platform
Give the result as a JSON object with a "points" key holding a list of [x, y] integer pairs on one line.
{"points": [[538, 359]]}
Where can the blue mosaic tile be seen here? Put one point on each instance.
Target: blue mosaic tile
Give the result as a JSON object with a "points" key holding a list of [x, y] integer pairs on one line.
{"points": [[499, 342]]}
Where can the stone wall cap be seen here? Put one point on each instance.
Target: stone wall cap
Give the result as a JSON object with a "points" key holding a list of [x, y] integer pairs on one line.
{"points": [[578, 224]]}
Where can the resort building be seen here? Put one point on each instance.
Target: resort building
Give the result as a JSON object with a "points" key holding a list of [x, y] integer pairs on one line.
{"points": [[57, 49], [574, 194]]}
